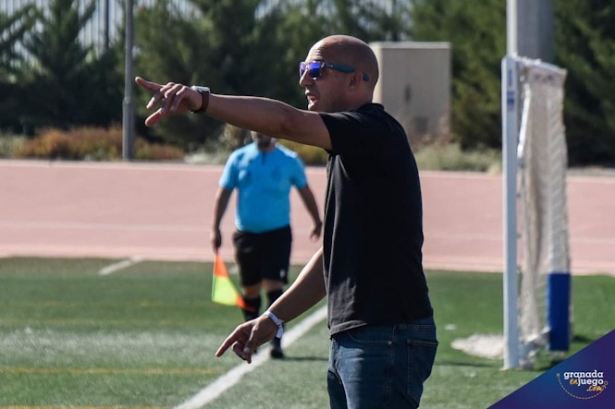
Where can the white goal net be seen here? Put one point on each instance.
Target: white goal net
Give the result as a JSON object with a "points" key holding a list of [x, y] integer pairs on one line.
{"points": [[543, 251], [537, 308]]}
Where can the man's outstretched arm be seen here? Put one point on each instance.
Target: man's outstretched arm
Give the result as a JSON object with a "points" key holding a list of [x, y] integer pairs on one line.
{"points": [[263, 115]]}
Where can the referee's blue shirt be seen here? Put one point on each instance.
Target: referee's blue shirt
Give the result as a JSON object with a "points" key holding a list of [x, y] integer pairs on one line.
{"points": [[263, 181]]}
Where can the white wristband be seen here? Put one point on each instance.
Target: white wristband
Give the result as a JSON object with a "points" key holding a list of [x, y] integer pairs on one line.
{"points": [[277, 322]]}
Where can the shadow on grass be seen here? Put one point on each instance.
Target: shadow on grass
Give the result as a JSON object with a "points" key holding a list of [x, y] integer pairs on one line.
{"points": [[547, 362], [547, 365], [583, 338]]}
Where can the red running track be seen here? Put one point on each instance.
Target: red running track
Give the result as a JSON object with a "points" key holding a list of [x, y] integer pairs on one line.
{"points": [[164, 212]]}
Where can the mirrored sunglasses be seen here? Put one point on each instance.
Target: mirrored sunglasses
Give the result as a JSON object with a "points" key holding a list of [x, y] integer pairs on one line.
{"points": [[315, 68]]}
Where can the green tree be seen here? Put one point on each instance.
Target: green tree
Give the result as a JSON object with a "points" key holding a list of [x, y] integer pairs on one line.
{"points": [[229, 45], [370, 20], [69, 84], [242, 44], [301, 25], [585, 38], [174, 47], [13, 29], [477, 32]]}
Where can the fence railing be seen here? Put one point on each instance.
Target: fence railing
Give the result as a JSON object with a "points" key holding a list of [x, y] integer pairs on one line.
{"points": [[106, 22]]}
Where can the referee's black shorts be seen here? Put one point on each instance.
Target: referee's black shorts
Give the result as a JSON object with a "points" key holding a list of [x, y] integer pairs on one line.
{"points": [[263, 255]]}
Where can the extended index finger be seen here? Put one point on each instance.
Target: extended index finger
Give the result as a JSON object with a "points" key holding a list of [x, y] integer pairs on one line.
{"points": [[148, 85], [230, 340]]}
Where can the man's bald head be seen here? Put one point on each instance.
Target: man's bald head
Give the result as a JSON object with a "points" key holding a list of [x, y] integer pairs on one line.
{"points": [[350, 51], [336, 88]]}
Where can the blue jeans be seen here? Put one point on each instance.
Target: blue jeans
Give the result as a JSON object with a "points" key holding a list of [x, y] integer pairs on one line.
{"points": [[381, 366]]}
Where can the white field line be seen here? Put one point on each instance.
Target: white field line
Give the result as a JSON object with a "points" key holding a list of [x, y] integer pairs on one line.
{"points": [[112, 268], [232, 377]]}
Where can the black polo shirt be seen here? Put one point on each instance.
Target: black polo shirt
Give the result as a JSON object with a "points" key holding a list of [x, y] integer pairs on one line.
{"points": [[373, 223]]}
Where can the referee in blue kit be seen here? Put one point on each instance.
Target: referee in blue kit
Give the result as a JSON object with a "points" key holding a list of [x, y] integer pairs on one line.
{"points": [[263, 173]]}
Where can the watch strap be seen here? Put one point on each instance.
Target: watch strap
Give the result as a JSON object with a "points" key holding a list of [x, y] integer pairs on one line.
{"points": [[204, 91], [278, 322]]}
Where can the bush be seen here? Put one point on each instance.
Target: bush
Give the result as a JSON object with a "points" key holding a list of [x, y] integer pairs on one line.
{"points": [[232, 138], [310, 155], [450, 156], [440, 154], [88, 143], [9, 144]]}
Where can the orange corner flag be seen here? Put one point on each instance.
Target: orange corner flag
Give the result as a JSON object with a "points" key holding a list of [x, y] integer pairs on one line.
{"points": [[223, 290]]}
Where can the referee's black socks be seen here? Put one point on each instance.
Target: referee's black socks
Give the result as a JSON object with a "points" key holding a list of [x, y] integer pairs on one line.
{"points": [[254, 304], [274, 295]]}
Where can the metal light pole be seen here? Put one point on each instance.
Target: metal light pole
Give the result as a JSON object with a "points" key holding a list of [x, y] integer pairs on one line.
{"points": [[512, 47], [107, 25], [535, 29], [128, 123], [529, 34]]}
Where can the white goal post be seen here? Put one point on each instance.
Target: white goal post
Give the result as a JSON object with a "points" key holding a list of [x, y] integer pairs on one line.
{"points": [[536, 251]]}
